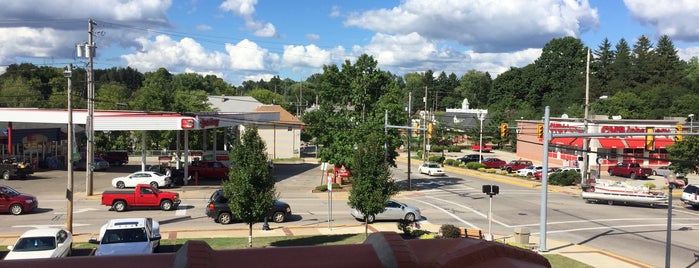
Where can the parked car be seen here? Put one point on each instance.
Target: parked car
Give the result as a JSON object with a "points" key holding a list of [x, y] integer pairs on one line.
{"points": [[493, 162], [155, 179], [41, 243], [431, 168], [12, 167], [482, 148], [394, 211], [666, 171], [470, 158], [529, 170], [690, 195], [16, 203], [218, 209], [99, 164], [115, 158], [538, 173], [630, 170], [128, 236], [515, 165]]}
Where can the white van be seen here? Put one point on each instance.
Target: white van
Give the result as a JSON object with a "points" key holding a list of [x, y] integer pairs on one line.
{"points": [[689, 195], [128, 236]]}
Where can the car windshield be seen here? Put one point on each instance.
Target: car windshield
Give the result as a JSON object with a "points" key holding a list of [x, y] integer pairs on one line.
{"points": [[9, 191], [35, 243], [124, 236], [433, 166]]}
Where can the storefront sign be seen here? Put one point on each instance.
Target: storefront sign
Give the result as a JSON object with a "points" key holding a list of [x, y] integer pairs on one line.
{"points": [[630, 129], [206, 122]]}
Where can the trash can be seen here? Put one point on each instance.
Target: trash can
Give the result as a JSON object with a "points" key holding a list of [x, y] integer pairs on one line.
{"points": [[522, 235]]}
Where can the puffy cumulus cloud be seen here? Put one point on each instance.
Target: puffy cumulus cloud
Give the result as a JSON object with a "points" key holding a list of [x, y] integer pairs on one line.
{"points": [[400, 49], [313, 37], [173, 55], [258, 77], [203, 27], [519, 24], [37, 43], [687, 53], [247, 55], [217, 74], [246, 10], [306, 56], [678, 19]]}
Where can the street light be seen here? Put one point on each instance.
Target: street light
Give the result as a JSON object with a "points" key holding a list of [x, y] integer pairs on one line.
{"points": [[668, 243], [691, 118]]}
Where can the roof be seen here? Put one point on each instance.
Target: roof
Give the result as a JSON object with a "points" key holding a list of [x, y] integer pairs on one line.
{"points": [[126, 223], [234, 104], [41, 232], [284, 116]]}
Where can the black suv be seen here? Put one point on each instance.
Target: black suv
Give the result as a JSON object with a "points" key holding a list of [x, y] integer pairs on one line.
{"points": [[218, 209], [470, 158]]}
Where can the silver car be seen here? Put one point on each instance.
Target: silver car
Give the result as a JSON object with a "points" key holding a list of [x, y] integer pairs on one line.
{"points": [[394, 211], [666, 171]]}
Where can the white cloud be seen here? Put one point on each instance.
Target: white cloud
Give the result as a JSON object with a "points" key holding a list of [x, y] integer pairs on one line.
{"points": [[203, 27], [519, 24], [36, 42], [313, 37], [687, 53], [258, 77], [247, 55], [678, 19], [308, 56], [217, 74], [246, 10]]}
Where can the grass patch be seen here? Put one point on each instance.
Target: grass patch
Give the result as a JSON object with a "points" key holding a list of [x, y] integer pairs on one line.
{"points": [[563, 261]]}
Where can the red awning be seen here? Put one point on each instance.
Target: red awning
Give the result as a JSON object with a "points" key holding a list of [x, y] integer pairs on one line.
{"points": [[611, 143], [663, 143], [574, 142], [636, 143]]}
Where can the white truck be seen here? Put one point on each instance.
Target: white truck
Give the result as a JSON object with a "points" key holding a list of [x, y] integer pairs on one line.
{"points": [[128, 236]]}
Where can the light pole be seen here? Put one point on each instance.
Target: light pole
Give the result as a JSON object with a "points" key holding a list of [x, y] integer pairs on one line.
{"points": [[481, 117], [68, 73], [668, 240], [691, 121]]}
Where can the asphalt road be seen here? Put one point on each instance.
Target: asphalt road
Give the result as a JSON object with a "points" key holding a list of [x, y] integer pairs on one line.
{"points": [[635, 232]]}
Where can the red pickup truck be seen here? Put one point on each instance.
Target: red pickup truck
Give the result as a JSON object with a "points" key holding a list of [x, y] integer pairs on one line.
{"points": [[630, 170], [482, 147], [142, 196], [208, 169]]}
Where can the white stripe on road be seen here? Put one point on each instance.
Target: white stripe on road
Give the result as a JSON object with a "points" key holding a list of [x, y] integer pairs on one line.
{"points": [[472, 210], [181, 210], [449, 213]]}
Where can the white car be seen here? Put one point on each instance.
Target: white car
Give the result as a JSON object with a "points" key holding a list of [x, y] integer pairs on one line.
{"points": [[155, 179], [41, 243], [529, 171], [431, 168], [394, 211], [128, 236]]}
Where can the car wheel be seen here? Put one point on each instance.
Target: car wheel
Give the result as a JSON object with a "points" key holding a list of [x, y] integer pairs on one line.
{"points": [[6, 175], [429, 173], [632, 176], [655, 173], [120, 185], [509, 170], [611, 172], [166, 205], [370, 218], [119, 206], [70, 250], [279, 217], [410, 217], [224, 218], [16, 209], [154, 184]]}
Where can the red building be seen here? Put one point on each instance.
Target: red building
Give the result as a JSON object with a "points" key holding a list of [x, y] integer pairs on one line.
{"points": [[628, 146]]}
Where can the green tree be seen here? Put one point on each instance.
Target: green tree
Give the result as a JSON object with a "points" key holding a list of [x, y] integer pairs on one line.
{"points": [[250, 185], [372, 184], [685, 154], [268, 97]]}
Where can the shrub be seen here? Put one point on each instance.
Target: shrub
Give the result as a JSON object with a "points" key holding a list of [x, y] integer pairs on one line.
{"points": [[434, 158], [419, 154], [452, 162], [437, 148], [474, 165], [324, 187], [564, 178], [450, 231], [454, 149], [650, 185]]}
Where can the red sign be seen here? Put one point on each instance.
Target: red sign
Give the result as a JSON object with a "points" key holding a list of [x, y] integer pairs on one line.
{"points": [[629, 129], [205, 122], [164, 157], [187, 123], [564, 128]]}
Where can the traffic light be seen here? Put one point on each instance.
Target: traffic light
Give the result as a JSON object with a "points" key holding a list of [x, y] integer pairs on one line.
{"points": [[540, 131], [430, 127], [503, 130], [416, 132], [678, 132], [650, 140]]}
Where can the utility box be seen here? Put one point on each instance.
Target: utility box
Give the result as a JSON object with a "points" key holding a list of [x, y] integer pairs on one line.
{"points": [[522, 235]]}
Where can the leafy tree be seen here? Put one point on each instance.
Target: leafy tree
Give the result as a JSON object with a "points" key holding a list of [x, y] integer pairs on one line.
{"points": [[685, 154], [18, 92], [268, 97], [372, 184], [250, 185]]}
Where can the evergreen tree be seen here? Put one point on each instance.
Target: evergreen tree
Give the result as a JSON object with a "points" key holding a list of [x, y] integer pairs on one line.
{"points": [[601, 69], [372, 184], [250, 185]]}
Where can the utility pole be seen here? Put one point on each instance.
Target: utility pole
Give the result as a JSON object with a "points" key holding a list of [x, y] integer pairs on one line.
{"points": [[410, 104], [90, 110], [68, 73], [586, 140], [424, 137]]}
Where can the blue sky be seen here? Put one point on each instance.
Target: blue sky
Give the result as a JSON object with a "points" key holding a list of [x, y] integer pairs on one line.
{"points": [[242, 40]]}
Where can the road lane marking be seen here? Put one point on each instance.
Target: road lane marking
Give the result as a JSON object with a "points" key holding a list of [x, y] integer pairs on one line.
{"points": [[483, 215], [449, 213], [47, 225], [181, 210], [610, 227]]}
